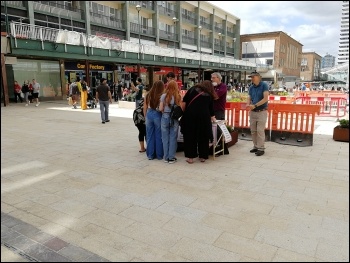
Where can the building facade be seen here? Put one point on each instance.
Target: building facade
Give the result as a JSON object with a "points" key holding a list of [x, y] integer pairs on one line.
{"points": [[343, 53], [144, 37], [310, 67], [328, 61], [278, 56]]}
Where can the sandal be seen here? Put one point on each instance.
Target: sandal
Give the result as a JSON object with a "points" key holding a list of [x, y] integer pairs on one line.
{"points": [[190, 161], [142, 151]]}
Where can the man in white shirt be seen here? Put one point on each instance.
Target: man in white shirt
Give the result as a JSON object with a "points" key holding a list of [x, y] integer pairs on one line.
{"points": [[36, 90]]}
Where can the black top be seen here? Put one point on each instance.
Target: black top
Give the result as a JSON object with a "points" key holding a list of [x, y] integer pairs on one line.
{"points": [[102, 91]]}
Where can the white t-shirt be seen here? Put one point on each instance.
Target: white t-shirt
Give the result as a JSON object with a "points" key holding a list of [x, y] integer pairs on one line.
{"points": [[36, 87]]}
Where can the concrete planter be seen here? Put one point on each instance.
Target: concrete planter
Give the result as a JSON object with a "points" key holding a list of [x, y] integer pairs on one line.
{"points": [[127, 104]]}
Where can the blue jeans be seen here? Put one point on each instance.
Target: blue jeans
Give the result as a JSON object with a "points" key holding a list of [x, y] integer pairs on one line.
{"points": [[104, 108], [153, 134], [169, 136]]}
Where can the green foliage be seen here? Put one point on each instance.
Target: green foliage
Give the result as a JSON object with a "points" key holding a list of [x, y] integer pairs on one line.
{"points": [[229, 128], [344, 123]]}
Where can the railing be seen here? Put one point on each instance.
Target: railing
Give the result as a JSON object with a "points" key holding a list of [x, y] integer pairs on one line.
{"points": [[27, 31], [13, 3], [59, 10], [145, 30], [167, 35], [188, 40], [219, 30], [167, 12], [205, 25], [229, 50], [206, 44], [143, 4], [107, 21], [188, 19], [230, 34]]}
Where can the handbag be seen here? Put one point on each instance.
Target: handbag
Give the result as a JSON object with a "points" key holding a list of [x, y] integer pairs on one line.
{"points": [[176, 112]]}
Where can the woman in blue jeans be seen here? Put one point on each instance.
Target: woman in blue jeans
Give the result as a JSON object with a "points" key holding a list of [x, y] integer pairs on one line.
{"points": [[169, 126], [153, 121]]}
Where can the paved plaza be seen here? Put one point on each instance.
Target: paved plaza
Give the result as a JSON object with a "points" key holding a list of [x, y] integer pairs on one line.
{"points": [[73, 189]]}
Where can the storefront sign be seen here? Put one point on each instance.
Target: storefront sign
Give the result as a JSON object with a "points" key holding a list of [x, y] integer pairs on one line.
{"points": [[82, 66]]}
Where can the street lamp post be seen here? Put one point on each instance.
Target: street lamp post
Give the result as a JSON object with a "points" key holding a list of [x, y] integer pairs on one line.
{"points": [[200, 55], [174, 20], [246, 45], [138, 8]]}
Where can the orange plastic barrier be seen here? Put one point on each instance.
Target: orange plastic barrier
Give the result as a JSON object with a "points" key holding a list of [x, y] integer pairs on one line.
{"points": [[291, 124], [330, 106], [281, 99]]}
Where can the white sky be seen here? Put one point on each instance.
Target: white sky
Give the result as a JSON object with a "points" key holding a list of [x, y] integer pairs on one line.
{"points": [[315, 24]]}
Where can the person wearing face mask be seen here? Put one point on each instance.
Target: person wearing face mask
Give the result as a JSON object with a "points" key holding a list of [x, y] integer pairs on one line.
{"points": [[219, 105]]}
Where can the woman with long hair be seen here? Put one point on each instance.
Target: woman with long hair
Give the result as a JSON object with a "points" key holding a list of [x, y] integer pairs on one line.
{"points": [[153, 121], [196, 123], [169, 126]]}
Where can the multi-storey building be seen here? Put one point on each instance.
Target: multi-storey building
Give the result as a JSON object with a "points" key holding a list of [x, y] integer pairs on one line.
{"points": [[343, 53], [310, 67], [277, 54], [56, 41], [328, 61]]}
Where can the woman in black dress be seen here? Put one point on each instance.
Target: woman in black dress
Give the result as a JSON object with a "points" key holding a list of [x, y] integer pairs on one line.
{"points": [[196, 123]]}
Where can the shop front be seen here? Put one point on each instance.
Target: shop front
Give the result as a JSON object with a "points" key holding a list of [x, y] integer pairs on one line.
{"points": [[46, 73], [73, 70], [98, 71]]}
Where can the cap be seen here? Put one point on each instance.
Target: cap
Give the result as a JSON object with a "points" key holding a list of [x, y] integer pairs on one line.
{"points": [[254, 73], [102, 80]]}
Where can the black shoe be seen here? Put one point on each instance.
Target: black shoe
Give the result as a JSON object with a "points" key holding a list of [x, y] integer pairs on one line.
{"points": [[107, 120], [254, 150], [103, 122], [259, 153]]}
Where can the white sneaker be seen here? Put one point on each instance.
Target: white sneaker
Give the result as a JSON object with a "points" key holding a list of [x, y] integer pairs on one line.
{"points": [[36, 105], [26, 104]]}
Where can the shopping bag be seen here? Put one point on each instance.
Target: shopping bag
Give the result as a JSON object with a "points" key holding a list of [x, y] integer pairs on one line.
{"points": [[70, 101]]}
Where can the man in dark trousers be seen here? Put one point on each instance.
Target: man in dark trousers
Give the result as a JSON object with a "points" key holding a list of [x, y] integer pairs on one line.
{"points": [[219, 104], [104, 96]]}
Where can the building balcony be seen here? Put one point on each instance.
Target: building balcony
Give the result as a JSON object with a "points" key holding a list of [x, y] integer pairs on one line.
{"points": [[167, 35], [188, 19], [144, 4], [167, 12], [13, 3], [107, 21], [145, 30], [205, 25], [189, 40], [58, 10]]}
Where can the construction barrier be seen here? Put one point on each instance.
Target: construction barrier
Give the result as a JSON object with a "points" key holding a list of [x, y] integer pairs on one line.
{"points": [[330, 106], [281, 99], [237, 116], [291, 124]]}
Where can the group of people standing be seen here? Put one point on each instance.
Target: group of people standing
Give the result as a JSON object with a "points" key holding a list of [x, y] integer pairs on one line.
{"points": [[202, 104], [78, 90], [29, 90]]}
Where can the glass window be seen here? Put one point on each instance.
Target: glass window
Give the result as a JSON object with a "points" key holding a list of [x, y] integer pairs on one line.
{"points": [[46, 73]]}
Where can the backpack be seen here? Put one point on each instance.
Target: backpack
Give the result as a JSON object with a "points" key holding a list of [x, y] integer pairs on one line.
{"points": [[176, 112], [138, 116], [73, 89]]}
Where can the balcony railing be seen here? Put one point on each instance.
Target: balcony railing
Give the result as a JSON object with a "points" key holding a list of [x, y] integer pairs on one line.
{"points": [[167, 35], [13, 3], [143, 4], [229, 50], [59, 10], [230, 34], [219, 30], [145, 30], [188, 40], [27, 31], [205, 25], [205, 44], [167, 12], [188, 19], [107, 21]]}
